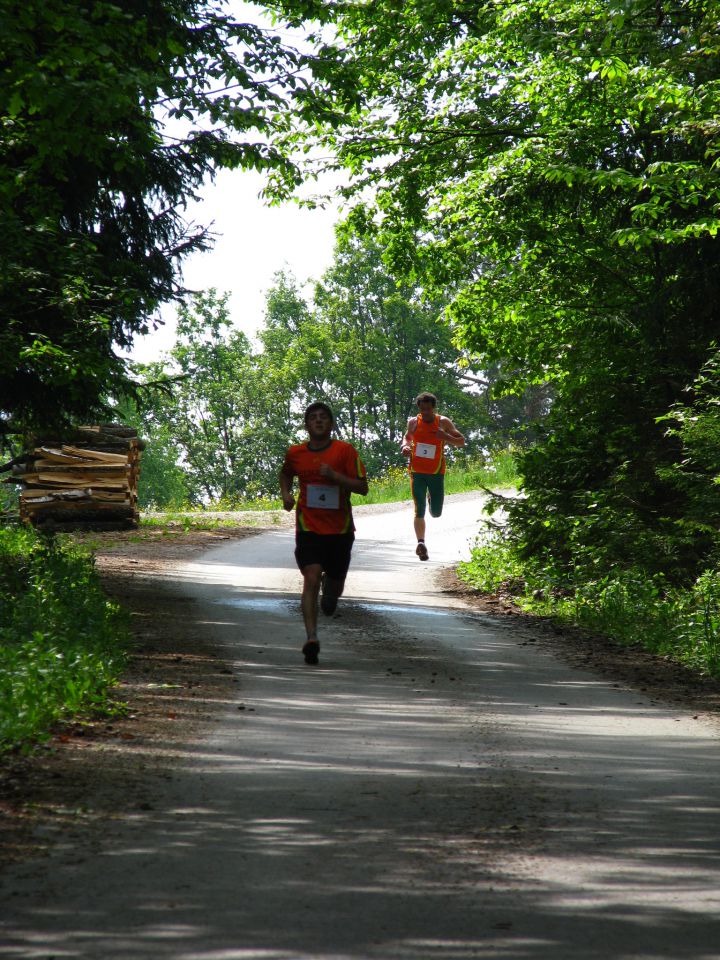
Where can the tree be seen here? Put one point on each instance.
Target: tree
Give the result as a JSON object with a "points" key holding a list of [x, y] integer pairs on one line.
{"points": [[387, 344], [552, 166], [224, 411], [367, 345], [295, 351], [164, 483], [113, 114], [215, 408], [695, 425]]}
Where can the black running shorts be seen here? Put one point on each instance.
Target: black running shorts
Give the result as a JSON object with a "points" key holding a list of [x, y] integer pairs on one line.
{"points": [[330, 550]]}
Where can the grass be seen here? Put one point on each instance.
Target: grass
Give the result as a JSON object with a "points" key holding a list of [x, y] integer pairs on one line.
{"points": [[628, 607], [63, 644], [392, 487], [210, 518], [464, 477]]}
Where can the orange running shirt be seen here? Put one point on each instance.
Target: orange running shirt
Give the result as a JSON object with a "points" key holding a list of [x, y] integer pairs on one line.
{"points": [[427, 451], [323, 507]]}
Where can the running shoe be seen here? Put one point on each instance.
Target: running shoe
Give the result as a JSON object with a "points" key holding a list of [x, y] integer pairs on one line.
{"points": [[422, 552], [311, 651]]}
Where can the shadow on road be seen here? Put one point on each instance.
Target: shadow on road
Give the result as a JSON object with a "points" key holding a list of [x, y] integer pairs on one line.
{"points": [[423, 794]]}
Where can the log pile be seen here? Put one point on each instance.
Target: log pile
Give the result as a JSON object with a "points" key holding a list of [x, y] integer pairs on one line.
{"points": [[86, 481]]}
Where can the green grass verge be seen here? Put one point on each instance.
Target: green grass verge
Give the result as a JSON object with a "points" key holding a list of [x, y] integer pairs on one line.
{"points": [[629, 607], [63, 644], [497, 473], [392, 487], [184, 521]]}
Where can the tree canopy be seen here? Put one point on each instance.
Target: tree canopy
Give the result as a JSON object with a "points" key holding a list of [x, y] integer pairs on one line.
{"points": [[552, 166], [368, 344], [113, 115], [365, 343], [214, 415]]}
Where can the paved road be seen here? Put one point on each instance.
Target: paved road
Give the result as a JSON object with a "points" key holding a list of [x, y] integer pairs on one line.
{"points": [[439, 788]]}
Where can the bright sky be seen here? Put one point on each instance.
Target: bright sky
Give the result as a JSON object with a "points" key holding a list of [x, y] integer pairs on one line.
{"points": [[254, 242]]}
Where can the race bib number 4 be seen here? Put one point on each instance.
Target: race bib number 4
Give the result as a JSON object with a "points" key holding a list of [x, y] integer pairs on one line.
{"points": [[321, 496], [425, 450]]}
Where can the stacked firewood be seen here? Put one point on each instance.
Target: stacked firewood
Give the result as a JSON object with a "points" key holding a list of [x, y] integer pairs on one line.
{"points": [[86, 481]]}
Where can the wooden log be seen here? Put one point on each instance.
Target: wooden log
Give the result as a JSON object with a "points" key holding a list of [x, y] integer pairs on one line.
{"points": [[115, 429], [113, 496], [67, 513], [34, 482], [28, 493], [40, 499], [76, 508], [103, 456], [80, 475], [75, 455], [84, 469], [55, 496], [57, 526], [98, 442], [78, 503], [78, 470]]}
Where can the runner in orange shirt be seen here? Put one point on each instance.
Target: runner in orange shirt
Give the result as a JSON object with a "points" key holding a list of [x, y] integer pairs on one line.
{"points": [[328, 471], [424, 442]]}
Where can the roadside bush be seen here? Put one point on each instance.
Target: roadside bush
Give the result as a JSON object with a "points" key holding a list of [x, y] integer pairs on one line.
{"points": [[63, 644], [628, 606], [462, 476]]}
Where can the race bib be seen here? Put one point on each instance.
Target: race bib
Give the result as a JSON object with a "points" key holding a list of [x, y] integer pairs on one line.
{"points": [[323, 496], [425, 450]]}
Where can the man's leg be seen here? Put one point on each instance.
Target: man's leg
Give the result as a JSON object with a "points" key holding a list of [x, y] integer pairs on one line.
{"points": [[309, 599], [436, 494], [338, 551], [332, 590], [418, 487], [309, 603]]}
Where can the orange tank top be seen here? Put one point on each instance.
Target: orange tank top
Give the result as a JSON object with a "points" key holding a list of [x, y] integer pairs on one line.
{"points": [[323, 507], [428, 451]]}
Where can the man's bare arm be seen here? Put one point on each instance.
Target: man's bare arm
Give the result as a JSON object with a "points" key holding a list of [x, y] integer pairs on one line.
{"points": [[286, 491], [449, 433], [353, 484], [406, 444]]}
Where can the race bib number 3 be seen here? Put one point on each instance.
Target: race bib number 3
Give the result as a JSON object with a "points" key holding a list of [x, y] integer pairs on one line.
{"points": [[425, 450], [322, 496]]}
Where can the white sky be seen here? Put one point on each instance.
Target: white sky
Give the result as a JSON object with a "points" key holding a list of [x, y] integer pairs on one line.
{"points": [[254, 241]]}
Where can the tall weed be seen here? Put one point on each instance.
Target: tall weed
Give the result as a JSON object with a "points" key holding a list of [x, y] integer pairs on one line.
{"points": [[63, 644], [461, 477], [628, 606]]}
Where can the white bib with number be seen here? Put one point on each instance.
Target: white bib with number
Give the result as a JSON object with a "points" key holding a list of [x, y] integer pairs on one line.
{"points": [[425, 450], [323, 496]]}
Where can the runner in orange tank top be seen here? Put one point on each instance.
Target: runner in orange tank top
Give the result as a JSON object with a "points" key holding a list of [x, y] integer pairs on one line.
{"points": [[328, 471], [424, 443]]}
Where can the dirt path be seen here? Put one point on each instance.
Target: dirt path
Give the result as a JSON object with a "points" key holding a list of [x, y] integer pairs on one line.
{"points": [[409, 800]]}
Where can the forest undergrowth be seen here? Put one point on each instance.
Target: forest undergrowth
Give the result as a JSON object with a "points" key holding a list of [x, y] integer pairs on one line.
{"points": [[628, 606], [63, 643]]}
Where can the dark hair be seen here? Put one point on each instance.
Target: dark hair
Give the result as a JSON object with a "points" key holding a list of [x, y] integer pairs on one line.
{"points": [[426, 395], [319, 405]]}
